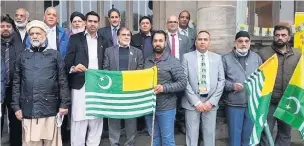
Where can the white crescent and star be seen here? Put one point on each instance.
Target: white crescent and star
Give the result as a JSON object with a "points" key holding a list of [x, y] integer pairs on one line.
{"points": [[297, 103], [108, 85]]}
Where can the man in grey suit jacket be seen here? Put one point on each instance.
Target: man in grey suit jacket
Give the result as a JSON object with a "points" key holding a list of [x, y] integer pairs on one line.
{"points": [[123, 57], [177, 44], [206, 81], [184, 29]]}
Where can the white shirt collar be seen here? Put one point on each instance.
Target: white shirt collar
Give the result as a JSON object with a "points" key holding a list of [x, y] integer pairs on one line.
{"points": [[52, 29], [183, 29], [199, 53], [87, 33]]}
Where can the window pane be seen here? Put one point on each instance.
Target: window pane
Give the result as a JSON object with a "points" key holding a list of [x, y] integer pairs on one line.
{"points": [[140, 9]]}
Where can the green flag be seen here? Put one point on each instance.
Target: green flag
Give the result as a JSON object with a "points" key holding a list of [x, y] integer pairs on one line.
{"points": [[291, 106], [259, 88], [120, 94]]}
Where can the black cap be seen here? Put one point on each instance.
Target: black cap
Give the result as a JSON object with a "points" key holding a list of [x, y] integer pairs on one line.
{"points": [[75, 14], [242, 34]]}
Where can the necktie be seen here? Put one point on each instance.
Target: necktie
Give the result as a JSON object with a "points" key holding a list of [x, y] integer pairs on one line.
{"points": [[203, 84], [173, 45], [185, 32], [114, 36], [7, 58]]}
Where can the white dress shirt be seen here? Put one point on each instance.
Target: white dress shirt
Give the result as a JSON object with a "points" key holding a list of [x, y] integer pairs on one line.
{"points": [[78, 96], [52, 38], [22, 33], [176, 44]]}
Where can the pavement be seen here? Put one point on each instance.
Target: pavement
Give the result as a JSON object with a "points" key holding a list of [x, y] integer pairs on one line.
{"points": [[144, 140]]}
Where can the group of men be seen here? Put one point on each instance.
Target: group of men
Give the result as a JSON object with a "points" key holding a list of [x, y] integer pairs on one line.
{"points": [[43, 75]]}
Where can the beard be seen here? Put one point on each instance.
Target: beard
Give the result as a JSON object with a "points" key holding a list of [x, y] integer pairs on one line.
{"points": [[158, 50], [6, 35], [77, 30], [37, 43], [279, 43], [20, 24]]}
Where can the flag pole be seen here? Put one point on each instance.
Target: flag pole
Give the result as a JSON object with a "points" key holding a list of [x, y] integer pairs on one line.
{"points": [[154, 108], [269, 136], [152, 132]]}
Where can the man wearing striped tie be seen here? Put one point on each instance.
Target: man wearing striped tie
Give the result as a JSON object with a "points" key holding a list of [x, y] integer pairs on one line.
{"points": [[206, 80], [239, 64], [11, 46]]}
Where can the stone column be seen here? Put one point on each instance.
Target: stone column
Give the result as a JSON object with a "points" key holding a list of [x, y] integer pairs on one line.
{"points": [[219, 18], [299, 6], [159, 14]]}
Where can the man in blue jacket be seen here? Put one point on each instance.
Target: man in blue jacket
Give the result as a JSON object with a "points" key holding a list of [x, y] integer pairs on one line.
{"points": [[57, 37]]}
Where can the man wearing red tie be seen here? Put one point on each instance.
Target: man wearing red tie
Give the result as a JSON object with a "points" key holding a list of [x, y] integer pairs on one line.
{"points": [[177, 45]]}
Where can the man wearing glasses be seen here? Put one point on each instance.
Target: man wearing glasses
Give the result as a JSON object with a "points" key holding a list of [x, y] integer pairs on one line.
{"points": [[177, 46], [239, 64]]}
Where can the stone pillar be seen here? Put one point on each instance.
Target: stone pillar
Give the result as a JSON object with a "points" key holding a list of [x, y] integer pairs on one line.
{"points": [[219, 18], [299, 6], [159, 14]]}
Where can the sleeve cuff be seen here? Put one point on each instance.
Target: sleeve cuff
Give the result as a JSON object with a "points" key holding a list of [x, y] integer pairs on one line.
{"points": [[197, 103], [71, 70]]}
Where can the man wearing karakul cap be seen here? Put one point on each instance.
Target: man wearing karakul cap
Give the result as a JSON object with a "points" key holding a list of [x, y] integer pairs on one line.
{"points": [[40, 90], [239, 64]]}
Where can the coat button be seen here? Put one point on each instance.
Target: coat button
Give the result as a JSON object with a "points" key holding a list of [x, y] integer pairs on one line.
{"points": [[45, 99]]}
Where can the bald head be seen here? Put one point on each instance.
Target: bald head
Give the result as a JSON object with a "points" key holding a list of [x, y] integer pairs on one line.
{"points": [[21, 17], [50, 17], [172, 24]]}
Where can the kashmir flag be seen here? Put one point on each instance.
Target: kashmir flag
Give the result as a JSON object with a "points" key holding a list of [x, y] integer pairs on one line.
{"points": [[259, 88], [291, 106], [120, 94]]}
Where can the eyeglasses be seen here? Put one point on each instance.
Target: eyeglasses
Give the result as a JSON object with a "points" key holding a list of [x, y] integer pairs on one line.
{"points": [[172, 22]]}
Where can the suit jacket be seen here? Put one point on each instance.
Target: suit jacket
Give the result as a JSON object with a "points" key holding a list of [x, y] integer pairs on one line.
{"points": [[78, 54], [111, 59], [191, 35], [217, 80], [184, 45], [106, 33]]}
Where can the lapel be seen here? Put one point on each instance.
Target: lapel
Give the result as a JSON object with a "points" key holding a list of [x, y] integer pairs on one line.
{"points": [[131, 56], [116, 56], [84, 42], [100, 51], [109, 33], [212, 67], [194, 65], [168, 43]]}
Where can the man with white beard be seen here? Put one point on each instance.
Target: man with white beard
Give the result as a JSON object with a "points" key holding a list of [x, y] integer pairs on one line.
{"points": [[239, 64], [21, 20], [77, 20]]}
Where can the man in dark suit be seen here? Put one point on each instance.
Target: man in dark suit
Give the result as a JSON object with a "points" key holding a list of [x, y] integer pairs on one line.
{"points": [[110, 32], [118, 58], [85, 50], [11, 47], [21, 20]]}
